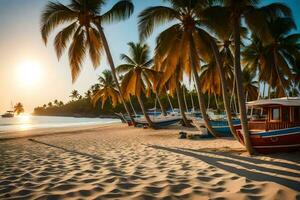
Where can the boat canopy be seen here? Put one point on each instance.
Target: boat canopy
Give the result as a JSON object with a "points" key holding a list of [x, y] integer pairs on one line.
{"points": [[285, 101]]}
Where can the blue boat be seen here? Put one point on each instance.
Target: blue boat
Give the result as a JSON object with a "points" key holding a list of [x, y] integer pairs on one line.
{"points": [[221, 126]]}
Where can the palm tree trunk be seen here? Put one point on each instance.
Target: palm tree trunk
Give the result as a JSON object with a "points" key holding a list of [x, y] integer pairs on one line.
{"points": [[184, 98], [278, 74], [113, 70], [150, 123], [163, 110], [169, 101], [208, 103], [239, 83], [232, 96], [216, 100], [180, 103], [224, 90], [193, 109], [201, 99], [132, 106]]}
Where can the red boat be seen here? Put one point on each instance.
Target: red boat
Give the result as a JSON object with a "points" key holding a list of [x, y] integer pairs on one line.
{"points": [[279, 131]]}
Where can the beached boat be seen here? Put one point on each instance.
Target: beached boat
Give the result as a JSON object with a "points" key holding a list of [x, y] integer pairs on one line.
{"points": [[159, 122], [8, 114], [280, 130], [222, 127]]}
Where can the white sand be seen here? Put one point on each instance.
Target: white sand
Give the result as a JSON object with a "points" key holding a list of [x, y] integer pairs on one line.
{"points": [[117, 162]]}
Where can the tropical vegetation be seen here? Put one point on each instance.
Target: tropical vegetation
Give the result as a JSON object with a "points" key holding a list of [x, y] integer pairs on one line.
{"points": [[229, 50]]}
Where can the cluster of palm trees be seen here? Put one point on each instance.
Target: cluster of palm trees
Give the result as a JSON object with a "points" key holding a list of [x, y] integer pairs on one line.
{"points": [[204, 40]]}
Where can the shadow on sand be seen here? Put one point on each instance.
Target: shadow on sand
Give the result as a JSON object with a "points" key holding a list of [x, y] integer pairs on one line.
{"points": [[248, 167]]}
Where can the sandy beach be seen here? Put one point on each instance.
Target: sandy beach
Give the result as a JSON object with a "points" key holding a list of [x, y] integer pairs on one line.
{"points": [[118, 162]]}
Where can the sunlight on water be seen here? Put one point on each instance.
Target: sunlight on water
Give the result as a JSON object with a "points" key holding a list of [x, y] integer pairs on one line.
{"points": [[25, 121]]}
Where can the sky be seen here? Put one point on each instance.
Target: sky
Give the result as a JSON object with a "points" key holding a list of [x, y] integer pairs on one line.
{"points": [[24, 56]]}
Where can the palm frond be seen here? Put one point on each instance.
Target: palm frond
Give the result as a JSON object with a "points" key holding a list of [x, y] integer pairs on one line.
{"points": [[77, 52], [62, 38], [154, 16], [54, 15], [120, 11]]}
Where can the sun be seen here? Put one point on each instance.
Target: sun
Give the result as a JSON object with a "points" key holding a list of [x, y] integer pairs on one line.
{"points": [[29, 73]]}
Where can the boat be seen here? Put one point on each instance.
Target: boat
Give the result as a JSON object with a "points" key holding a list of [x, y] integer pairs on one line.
{"points": [[8, 114], [221, 126], [279, 131], [158, 122]]}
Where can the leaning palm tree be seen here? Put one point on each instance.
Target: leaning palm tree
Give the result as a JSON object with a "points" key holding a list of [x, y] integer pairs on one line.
{"points": [[137, 74], [19, 108], [107, 90], [182, 43], [85, 30], [232, 13]]}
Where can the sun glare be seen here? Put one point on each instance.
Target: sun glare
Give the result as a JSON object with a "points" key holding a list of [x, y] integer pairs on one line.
{"points": [[29, 73]]}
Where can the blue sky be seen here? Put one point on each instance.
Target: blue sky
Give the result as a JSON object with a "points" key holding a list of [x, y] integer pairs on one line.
{"points": [[20, 41]]}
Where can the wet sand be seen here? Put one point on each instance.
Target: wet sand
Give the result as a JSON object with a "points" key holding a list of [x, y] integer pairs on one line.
{"points": [[118, 162]]}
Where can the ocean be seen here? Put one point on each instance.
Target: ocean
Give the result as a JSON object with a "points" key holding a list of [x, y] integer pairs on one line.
{"points": [[28, 122]]}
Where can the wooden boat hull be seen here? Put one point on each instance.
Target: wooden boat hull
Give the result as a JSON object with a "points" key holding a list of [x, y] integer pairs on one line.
{"points": [[283, 140], [221, 126], [161, 123]]}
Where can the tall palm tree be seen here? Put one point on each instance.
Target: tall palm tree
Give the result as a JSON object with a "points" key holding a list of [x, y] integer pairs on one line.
{"points": [[182, 43], [85, 30], [256, 19], [19, 108], [137, 74], [74, 95], [107, 90]]}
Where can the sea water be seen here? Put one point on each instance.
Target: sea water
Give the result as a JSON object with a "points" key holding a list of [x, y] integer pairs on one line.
{"points": [[28, 122]]}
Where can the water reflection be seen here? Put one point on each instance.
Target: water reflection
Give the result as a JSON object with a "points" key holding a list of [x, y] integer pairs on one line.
{"points": [[25, 121]]}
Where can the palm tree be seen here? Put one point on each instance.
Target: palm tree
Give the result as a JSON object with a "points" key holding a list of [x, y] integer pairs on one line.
{"points": [[250, 85], [107, 90], [137, 74], [19, 108], [56, 102], [74, 95], [256, 18], [174, 86], [85, 28], [276, 61], [88, 94], [182, 43], [50, 104], [61, 103]]}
